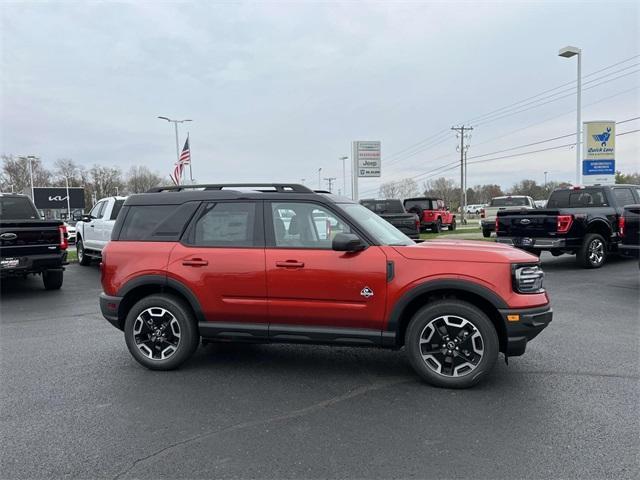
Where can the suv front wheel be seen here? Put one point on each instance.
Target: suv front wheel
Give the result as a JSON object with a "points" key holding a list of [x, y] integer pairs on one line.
{"points": [[160, 332], [451, 344]]}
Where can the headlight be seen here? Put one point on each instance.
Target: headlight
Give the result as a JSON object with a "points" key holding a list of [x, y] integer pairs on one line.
{"points": [[527, 278]]}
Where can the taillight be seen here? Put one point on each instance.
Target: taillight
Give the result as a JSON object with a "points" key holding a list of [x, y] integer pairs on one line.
{"points": [[497, 224], [621, 226], [482, 213], [64, 243], [564, 223]]}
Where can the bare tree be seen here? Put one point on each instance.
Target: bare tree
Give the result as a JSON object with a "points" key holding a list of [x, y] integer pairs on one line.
{"points": [[401, 189], [443, 188], [104, 182], [67, 168], [15, 174], [140, 179]]}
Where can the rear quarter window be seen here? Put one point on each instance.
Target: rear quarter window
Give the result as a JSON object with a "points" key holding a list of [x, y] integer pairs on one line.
{"points": [[156, 223], [586, 198], [624, 196]]}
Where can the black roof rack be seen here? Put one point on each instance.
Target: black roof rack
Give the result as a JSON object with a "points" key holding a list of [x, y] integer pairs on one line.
{"points": [[260, 187]]}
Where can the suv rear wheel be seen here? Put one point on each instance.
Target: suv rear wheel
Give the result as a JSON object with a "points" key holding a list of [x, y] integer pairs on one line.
{"points": [[451, 344], [437, 227], [593, 252], [160, 332]]}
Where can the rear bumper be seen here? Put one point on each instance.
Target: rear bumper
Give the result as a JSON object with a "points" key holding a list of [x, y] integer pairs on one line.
{"points": [[109, 306], [541, 243], [36, 264], [531, 322]]}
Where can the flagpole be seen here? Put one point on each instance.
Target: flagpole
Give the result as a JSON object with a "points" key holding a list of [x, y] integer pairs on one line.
{"points": [[190, 161]]}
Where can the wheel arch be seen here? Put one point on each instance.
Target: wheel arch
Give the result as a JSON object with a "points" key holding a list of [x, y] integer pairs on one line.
{"points": [[601, 227], [140, 287], [428, 292]]}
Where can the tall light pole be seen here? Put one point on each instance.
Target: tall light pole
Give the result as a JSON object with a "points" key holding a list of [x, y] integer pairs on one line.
{"points": [[66, 181], [545, 178], [568, 52], [319, 179], [344, 175], [175, 124], [30, 158]]}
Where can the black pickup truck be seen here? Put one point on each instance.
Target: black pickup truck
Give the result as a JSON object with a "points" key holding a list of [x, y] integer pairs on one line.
{"points": [[578, 220], [393, 212], [29, 245], [630, 230]]}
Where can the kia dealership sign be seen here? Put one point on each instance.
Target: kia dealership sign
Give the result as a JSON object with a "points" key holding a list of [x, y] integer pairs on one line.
{"points": [[598, 153], [56, 197]]}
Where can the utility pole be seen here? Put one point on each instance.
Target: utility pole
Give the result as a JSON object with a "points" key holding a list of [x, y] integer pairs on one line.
{"points": [[330, 180], [460, 131], [466, 177], [545, 178]]}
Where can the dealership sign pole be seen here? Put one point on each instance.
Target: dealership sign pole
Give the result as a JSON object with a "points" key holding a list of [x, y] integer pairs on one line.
{"points": [[366, 162], [599, 164]]}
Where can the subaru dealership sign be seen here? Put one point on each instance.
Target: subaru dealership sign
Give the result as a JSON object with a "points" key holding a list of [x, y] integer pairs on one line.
{"points": [[598, 155]]}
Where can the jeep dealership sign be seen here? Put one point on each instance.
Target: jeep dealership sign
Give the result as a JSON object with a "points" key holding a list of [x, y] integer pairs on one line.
{"points": [[56, 197], [598, 153]]}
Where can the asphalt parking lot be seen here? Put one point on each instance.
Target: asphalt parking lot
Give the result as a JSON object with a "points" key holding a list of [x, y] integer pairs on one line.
{"points": [[75, 404]]}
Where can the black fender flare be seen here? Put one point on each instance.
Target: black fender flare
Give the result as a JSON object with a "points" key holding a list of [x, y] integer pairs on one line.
{"points": [[393, 324], [599, 223], [163, 281]]}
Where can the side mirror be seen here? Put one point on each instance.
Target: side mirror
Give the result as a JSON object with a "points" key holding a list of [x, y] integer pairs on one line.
{"points": [[77, 216], [87, 218], [347, 242]]}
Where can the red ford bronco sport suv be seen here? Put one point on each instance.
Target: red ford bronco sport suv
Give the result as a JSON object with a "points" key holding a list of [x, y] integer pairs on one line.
{"points": [[432, 212], [283, 264]]}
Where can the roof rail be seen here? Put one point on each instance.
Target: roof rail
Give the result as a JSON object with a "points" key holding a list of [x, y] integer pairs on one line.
{"points": [[260, 187]]}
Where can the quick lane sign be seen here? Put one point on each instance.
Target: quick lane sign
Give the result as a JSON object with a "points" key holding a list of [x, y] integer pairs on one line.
{"points": [[599, 148]]}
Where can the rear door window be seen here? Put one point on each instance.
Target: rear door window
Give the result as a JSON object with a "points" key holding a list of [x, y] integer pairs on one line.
{"points": [[624, 196], [17, 208], [586, 198], [226, 224]]}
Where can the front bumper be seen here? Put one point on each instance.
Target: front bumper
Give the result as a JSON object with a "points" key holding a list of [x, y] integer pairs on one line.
{"points": [[488, 225], [531, 322], [110, 306]]}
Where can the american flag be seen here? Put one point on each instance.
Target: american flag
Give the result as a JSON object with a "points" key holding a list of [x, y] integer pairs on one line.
{"points": [[184, 160]]}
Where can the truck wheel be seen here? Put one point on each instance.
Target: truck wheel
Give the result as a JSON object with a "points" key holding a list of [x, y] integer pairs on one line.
{"points": [[593, 252], [452, 227], [52, 279], [451, 344], [161, 332], [486, 233], [83, 259], [437, 227]]}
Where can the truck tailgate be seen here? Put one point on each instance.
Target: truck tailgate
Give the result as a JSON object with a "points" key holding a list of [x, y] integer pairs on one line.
{"points": [[527, 223], [29, 237]]}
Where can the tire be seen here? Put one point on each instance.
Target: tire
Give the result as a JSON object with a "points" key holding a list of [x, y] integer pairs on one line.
{"points": [[52, 279], [593, 252], [486, 233], [83, 259], [452, 227], [182, 335], [437, 227], [473, 353]]}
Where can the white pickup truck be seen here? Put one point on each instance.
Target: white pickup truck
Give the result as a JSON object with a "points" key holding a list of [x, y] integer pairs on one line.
{"points": [[511, 202], [93, 231]]}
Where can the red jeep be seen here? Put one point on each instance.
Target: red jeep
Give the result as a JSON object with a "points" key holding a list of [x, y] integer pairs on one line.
{"points": [[432, 212], [279, 263]]}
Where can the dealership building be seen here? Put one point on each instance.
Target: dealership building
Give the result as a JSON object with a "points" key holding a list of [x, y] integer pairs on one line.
{"points": [[59, 202]]}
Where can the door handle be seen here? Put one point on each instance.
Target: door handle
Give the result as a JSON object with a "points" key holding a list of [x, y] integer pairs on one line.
{"points": [[92, 226], [195, 262], [290, 264]]}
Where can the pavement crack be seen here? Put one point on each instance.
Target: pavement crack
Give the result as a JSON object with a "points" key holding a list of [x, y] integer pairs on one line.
{"points": [[277, 418]]}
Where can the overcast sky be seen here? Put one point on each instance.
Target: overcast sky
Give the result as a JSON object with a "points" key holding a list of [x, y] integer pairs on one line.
{"points": [[278, 90]]}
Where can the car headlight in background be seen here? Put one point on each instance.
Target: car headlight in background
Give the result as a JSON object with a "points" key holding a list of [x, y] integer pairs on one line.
{"points": [[527, 278]]}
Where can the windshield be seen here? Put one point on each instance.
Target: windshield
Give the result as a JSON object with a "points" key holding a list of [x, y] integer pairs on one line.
{"points": [[383, 206], [17, 208], [510, 202], [382, 231]]}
